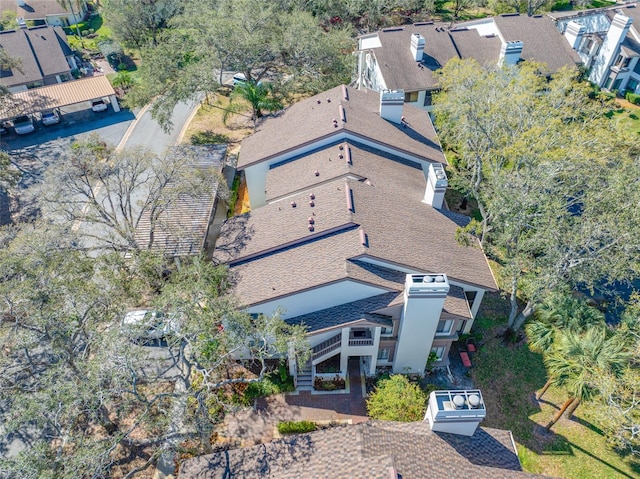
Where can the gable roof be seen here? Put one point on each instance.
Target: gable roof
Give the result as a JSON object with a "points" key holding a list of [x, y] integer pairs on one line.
{"points": [[311, 120], [541, 40], [375, 449], [274, 254], [41, 50]]}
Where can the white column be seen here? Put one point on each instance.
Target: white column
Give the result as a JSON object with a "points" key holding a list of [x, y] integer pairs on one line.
{"points": [[344, 356], [114, 103], [476, 303]]}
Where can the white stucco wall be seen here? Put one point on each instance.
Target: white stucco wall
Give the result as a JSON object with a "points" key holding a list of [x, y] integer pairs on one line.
{"points": [[319, 298]]}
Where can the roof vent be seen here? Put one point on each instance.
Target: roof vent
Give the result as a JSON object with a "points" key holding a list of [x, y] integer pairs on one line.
{"points": [[311, 228], [312, 196], [348, 156], [318, 101], [328, 100], [341, 156], [343, 114], [439, 279], [363, 238], [311, 220], [317, 173], [345, 94], [341, 147], [293, 204], [312, 203]]}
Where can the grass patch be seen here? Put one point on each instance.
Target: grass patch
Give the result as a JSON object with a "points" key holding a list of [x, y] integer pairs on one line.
{"points": [[566, 5], [627, 118], [509, 375]]}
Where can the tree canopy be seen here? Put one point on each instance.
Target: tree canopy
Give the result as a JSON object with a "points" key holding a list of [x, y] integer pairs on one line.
{"points": [[551, 176], [397, 399]]}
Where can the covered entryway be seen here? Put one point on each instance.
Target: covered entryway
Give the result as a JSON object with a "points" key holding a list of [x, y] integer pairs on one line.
{"points": [[60, 95]]}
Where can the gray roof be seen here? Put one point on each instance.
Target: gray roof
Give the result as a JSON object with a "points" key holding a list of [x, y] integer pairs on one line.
{"points": [[41, 50], [372, 450], [541, 40], [312, 119], [182, 228]]}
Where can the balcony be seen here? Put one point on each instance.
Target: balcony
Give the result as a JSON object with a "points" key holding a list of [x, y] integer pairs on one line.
{"points": [[326, 347], [361, 337]]}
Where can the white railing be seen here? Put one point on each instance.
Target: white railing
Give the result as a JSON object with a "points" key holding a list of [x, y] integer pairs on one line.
{"points": [[361, 342]]}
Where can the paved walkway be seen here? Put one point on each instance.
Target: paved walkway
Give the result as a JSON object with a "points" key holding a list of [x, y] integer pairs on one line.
{"points": [[258, 426]]}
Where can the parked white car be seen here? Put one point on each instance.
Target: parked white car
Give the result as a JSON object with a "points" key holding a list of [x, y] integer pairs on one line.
{"points": [[149, 325], [23, 125], [98, 105], [50, 118]]}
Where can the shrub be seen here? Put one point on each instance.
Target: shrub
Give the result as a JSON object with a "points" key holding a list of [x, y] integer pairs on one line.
{"points": [[296, 427], [397, 399], [633, 98], [270, 384], [328, 384]]}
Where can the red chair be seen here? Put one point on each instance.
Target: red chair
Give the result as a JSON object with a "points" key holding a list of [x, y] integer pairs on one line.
{"points": [[465, 359]]}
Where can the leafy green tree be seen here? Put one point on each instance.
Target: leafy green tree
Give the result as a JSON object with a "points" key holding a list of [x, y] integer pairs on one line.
{"points": [[85, 387], [556, 315], [580, 358], [258, 38], [138, 23], [526, 150], [397, 399]]}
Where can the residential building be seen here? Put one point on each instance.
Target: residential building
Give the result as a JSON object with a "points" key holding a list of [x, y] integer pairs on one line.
{"points": [[608, 43], [44, 54], [406, 58], [379, 449], [47, 12], [349, 233]]}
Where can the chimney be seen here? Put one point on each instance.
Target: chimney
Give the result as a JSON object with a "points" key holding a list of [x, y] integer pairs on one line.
{"points": [[417, 46], [574, 33], [455, 412], [510, 53], [610, 46], [424, 296], [21, 22], [21, 3], [436, 186], [391, 103]]}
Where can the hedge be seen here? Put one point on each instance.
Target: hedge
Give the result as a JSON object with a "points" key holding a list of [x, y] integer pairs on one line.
{"points": [[296, 427], [633, 98]]}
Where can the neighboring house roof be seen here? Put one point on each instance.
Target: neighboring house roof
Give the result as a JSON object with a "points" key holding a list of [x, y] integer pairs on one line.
{"points": [[541, 41], [58, 95], [311, 120], [38, 9], [181, 228], [41, 50], [374, 449]]}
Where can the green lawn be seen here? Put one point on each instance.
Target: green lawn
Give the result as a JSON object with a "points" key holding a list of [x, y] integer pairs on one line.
{"points": [[627, 118], [508, 376]]}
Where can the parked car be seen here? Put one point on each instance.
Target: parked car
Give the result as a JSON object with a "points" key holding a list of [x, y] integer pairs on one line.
{"points": [[149, 325], [239, 78], [98, 105], [23, 125], [51, 118]]}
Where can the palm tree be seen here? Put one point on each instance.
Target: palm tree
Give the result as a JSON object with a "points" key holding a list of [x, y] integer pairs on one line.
{"points": [[559, 313], [260, 96], [579, 357]]}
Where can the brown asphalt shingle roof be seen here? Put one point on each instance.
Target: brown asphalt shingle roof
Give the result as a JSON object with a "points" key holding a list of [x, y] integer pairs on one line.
{"points": [[36, 9], [309, 121], [274, 254], [541, 40], [372, 450]]}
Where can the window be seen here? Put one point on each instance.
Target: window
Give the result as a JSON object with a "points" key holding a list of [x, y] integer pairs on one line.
{"points": [[439, 352], [616, 84], [632, 85], [428, 98], [607, 84], [461, 325], [618, 61], [383, 354], [411, 97], [626, 62], [444, 327], [386, 331], [636, 69]]}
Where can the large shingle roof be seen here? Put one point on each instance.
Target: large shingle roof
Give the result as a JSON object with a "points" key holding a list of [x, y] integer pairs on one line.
{"points": [[541, 40], [374, 450], [36, 9], [273, 253], [312, 119]]}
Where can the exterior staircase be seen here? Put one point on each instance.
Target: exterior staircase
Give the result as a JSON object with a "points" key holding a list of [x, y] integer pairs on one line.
{"points": [[326, 349], [305, 378]]}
